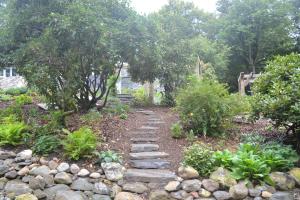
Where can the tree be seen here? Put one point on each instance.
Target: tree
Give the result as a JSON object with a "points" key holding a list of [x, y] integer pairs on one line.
{"points": [[277, 94], [69, 50], [256, 30]]}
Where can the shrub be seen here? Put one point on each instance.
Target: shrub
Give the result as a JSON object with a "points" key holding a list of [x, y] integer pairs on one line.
{"points": [[254, 162], [141, 97], [5, 97], [277, 94], [23, 100], [204, 106], [176, 130], [253, 138], [109, 156], [91, 116], [199, 157], [190, 136], [12, 132], [46, 144], [16, 91], [123, 116], [80, 143]]}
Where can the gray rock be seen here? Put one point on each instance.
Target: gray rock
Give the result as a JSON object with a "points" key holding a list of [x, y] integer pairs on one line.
{"points": [[3, 169], [3, 181], [221, 195], [52, 164], [95, 175], [101, 188], [49, 179], [83, 173], [150, 164], [139, 188], [253, 192], [16, 187], [149, 176], [181, 194], [223, 176], [204, 193], [100, 197], [283, 181], [67, 195], [210, 185], [51, 192], [187, 172], [258, 198], [113, 171], [63, 178], [173, 186], [282, 196], [37, 183], [239, 191], [127, 196], [74, 169], [25, 155], [63, 167], [42, 170], [6, 155], [40, 194], [115, 189], [22, 172], [191, 185], [159, 195], [82, 184], [11, 175]]}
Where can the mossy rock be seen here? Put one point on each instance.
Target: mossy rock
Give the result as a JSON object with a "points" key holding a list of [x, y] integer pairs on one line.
{"points": [[295, 173], [223, 176], [26, 197]]}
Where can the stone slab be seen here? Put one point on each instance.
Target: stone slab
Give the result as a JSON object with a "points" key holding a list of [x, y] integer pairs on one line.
{"points": [[144, 147], [148, 155], [149, 175], [144, 139], [150, 164]]}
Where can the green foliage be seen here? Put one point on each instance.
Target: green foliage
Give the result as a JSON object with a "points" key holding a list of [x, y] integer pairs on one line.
{"points": [[23, 99], [277, 94], [5, 97], [123, 116], [12, 132], [199, 157], [176, 130], [80, 143], [46, 144], [16, 91], [205, 106], [141, 97], [254, 162], [91, 117], [253, 138], [109, 156], [190, 136]]}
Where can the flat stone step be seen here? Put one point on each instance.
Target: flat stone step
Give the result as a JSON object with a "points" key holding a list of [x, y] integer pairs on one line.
{"points": [[154, 119], [144, 139], [148, 155], [150, 164], [149, 128], [146, 112], [149, 175], [154, 123], [144, 135], [144, 147]]}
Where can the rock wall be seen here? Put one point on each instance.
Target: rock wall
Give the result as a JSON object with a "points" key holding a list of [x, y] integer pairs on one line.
{"points": [[12, 82]]}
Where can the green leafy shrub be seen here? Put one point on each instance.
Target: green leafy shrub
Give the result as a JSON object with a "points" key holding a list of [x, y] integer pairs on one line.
{"points": [[199, 156], [176, 130], [12, 132], [80, 143], [109, 156], [253, 138], [91, 116], [123, 116], [190, 136], [23, 99], [46, 144], [16, 91], [254, 162], [205, 106], [5, 97], [141, 97], [277, 94]]}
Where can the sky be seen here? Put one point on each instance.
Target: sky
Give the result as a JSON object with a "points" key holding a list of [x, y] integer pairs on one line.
{"points": [[148, 6]]}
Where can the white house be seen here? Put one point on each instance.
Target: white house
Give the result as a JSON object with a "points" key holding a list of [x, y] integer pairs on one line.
{"points": [[10, 79]]}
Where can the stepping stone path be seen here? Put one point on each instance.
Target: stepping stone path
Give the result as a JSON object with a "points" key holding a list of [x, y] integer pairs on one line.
{"points": [[147, 163]]}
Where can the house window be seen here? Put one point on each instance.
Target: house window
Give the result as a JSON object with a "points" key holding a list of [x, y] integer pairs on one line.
{"points": [[14, 71], [7, 72], [1, 72]]}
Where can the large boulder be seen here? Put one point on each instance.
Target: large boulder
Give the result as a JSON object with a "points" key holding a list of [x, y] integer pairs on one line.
{"points": [[283, 181], [187, 172], [223, 177], [113, 171], [63, 178], [127, 196], [16, 188], [82, 184], [282, 196], [239, 191], [295, 173], [42, 170]]}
